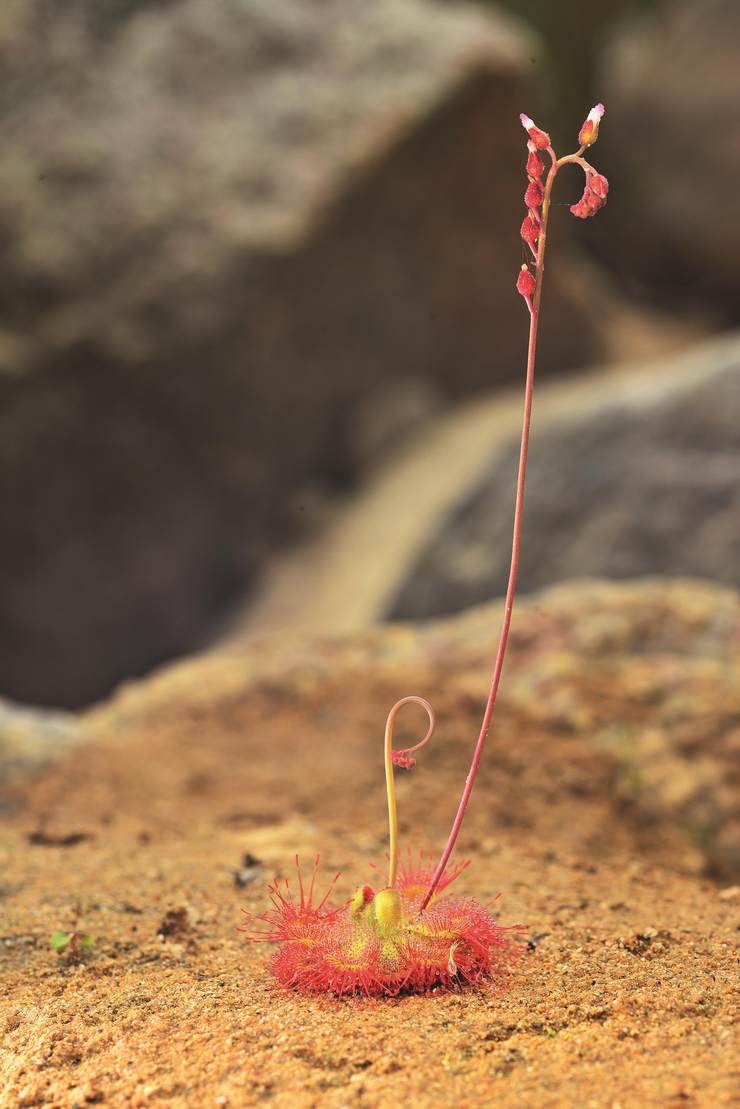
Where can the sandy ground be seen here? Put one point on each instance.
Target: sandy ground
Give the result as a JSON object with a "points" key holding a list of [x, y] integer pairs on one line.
{"points": [[626, 993]]}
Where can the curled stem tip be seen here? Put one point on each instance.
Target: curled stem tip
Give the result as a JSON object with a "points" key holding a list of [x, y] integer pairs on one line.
{"points": [[406, 759]]}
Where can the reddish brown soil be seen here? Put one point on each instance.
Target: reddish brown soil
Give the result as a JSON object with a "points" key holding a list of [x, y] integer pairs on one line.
{"points": [[625, 996]]}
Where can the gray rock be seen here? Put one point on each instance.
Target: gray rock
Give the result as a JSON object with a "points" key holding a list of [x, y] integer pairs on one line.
{"points": [[31, 739], [223, 227], [671, 82], [150, 149], [643, 482], [622, 694]]}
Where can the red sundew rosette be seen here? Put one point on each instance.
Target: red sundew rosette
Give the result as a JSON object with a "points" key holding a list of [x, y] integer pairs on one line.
{"points": [[321, 949]]}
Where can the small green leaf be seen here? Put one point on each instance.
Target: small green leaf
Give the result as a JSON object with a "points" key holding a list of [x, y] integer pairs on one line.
{"points": [[59, 940], [87, 941]]}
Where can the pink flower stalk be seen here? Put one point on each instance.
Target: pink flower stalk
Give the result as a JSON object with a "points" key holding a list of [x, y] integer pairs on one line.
{"points": [[529, 285], [407, 936]]}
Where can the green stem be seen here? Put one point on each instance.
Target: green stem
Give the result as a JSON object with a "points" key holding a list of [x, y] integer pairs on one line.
{"points": [[390, 783]]}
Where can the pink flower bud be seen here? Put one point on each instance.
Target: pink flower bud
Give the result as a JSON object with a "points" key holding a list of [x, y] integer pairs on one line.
{"points": [[540, 139], [535, 168], [588, 205], [590, 130], [580, 210], [402, 759], [533, 195], [529, 230], [598, 185], [525, 282]]}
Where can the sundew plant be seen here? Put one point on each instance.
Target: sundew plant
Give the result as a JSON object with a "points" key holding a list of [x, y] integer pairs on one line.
{"points": [[412, 935]]}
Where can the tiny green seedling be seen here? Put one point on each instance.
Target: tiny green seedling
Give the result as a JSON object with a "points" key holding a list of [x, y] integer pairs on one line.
{"points": [[74, 944]]}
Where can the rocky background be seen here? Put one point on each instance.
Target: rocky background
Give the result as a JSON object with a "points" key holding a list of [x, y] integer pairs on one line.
{"points": [[643, 480], [226, 228], [249, 249]]}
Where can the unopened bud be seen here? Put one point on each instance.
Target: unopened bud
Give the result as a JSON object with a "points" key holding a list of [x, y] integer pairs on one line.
{"points": [[525, 282], [402, 759], [533, 195], [598, 185], [590, 130], [582, 210], [535, 168], [540, 139], [362, 898], [594, 196], [529, 230]]}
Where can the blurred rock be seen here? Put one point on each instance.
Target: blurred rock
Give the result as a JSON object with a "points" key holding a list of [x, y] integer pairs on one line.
{"points": [[376, 533], [649, 672], [671, 83], [223, 227], [643, 479], [616, 733], [31, 738]]}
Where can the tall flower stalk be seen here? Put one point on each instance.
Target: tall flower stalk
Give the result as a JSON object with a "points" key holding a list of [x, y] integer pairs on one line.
{"points": [[534, 234], [413, 936]]}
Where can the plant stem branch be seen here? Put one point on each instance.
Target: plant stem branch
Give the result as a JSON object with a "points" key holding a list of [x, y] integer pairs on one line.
{"points": [[390, 783], [517, 530]]}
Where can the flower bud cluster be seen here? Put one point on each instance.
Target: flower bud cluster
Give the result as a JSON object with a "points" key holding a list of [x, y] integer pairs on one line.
{"points": [[594, 196], [537, 140], [530, 230], [402, 759]]}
